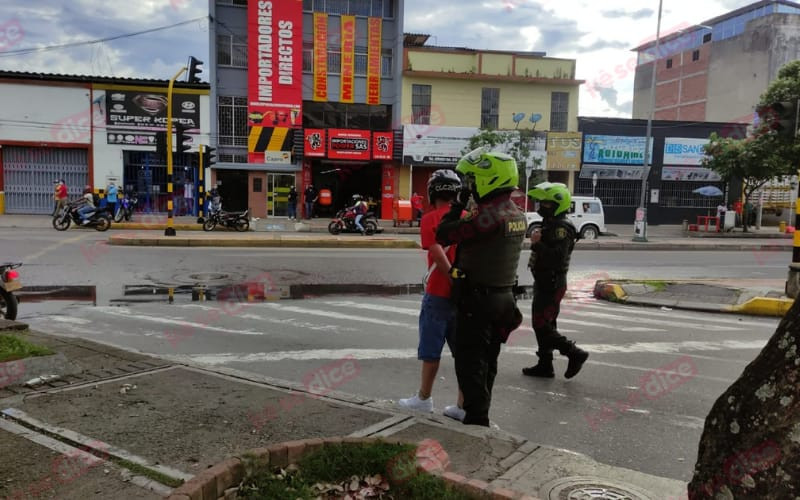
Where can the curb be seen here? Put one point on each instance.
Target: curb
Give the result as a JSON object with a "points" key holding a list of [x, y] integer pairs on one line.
{"points": [[221, 481], [757, 306], [268, 242]]}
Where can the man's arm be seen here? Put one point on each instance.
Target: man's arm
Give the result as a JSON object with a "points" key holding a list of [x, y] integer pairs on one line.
{"points": [[443, 264]]}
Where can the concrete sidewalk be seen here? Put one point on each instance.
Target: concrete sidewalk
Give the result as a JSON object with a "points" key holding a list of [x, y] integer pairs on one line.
{"points": [[175, 421], [742, 296]]}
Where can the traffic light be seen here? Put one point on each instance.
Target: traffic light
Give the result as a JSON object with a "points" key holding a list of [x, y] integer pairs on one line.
{"points": [[194, 70], [182, 140], [161, 143], [209, 158], [780, 117]]}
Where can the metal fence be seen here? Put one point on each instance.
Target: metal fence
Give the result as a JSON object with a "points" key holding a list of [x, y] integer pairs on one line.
{"points": [[679, 194], [29, 174], [612, 193]]}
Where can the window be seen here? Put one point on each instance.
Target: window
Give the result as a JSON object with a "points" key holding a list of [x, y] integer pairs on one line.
{"points": [[696, 55], [421, 104], [232, 118], [361, 60], [559, 111], [669, 63], [373, 8], [237, 3], [334, 63], [386, 63], [232, 158], [360, 7], [341, 115], [308, 57], [490, 107], [232, 51], [591, 208], [707, 38]]}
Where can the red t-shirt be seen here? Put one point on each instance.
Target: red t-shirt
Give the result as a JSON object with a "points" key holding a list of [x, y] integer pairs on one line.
{"points": [[62, 192], [438, 282]]}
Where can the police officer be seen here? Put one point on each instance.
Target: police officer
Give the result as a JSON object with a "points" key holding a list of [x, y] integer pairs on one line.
{"points": [[484, 272], [551, 248]]}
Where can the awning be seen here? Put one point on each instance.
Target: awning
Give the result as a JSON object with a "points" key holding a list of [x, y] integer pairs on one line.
{"points": [[270, 167]]}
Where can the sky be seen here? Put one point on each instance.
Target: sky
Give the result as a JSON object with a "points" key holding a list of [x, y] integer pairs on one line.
{"points": [[598, 34]]}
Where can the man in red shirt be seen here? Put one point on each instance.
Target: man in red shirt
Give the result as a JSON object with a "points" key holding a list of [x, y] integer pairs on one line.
{"points": [[437, 316], [416, 206]]}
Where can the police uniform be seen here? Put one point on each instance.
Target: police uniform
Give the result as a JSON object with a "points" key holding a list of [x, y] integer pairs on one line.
{"points": [[489, 244], [549, 263]]}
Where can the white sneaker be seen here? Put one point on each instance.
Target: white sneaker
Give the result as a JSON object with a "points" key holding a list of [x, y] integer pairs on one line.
{"points": [[454, 412], [417, 404]]}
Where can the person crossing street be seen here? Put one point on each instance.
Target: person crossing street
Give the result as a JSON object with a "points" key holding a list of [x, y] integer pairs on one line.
{"points": [[551, 250], [484, 273]]}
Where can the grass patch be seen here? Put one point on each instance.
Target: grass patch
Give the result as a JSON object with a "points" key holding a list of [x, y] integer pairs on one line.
{"points": [[374, 465], [656, 285], [13, 347]]}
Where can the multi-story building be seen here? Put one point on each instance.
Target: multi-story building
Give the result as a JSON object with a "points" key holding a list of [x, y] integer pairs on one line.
{"points": [[306, 92], [94, 130], [716, 71], [449, 93]]}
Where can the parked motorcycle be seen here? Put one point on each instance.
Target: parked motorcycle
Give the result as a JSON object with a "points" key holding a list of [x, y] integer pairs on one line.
{"points": [[99, 219], [126, 207], [9, 282], [345, 222], [239, 221]]}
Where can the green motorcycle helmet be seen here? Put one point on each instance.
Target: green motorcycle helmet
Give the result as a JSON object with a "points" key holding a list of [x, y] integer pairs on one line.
{"points": [[554, 192], [492, 172]]}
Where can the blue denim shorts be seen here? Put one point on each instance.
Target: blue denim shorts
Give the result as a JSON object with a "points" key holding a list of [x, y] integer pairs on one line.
{"points": [[437, 322]]}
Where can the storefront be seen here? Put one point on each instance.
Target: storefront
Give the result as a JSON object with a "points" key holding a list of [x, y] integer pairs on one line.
{"points": [[345, 162]]}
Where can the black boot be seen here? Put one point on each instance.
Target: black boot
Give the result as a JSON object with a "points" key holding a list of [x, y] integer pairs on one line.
{"points": [[543, 369], [577, 357]]}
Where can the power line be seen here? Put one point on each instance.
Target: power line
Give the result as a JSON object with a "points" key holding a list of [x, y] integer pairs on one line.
{"points": [[9, 53]]}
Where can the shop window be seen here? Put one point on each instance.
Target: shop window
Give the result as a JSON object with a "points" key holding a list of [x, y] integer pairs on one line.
{"points": [[257, 184]]}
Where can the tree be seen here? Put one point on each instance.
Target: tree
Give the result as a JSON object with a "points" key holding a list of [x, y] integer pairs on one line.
{"points": [[516, 143], [753, 160], [751, 439]]}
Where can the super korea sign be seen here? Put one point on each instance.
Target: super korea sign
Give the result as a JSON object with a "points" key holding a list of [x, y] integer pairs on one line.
{"points": [[275, 59], [348, 144]]}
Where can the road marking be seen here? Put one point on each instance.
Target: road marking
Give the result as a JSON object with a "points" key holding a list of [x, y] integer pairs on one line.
{"points": [[124, 312], [309, 355], [54, 246], [650, 321], [331, 314], [374, 307]]}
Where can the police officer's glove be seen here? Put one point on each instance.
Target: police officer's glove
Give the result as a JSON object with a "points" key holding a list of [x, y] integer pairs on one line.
{"points": [[456, 273], [463, 196]]}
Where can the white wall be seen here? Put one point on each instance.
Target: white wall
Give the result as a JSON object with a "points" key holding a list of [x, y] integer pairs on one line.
{"points": [[44, 113]]}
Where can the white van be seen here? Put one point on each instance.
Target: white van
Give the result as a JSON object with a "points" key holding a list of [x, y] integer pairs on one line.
{"points": [[585, 212]]}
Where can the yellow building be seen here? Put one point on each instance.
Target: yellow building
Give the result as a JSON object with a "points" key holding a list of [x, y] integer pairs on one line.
{"points": [[450, 88]]}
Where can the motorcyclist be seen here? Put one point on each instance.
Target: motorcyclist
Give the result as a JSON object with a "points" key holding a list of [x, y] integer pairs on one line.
{"points": [[216, 200], [551, 249], [359, 209], [88, 206], [484, 272]]}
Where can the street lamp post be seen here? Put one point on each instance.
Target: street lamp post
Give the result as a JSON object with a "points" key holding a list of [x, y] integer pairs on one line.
{"points": [[640, 225], [170, 229]]}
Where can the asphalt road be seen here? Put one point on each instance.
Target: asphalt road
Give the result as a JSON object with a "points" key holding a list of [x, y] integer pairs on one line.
{"points": [[608, 412]]}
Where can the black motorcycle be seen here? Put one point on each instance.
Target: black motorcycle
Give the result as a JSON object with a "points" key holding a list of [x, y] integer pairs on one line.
{"points": [[345, 222], [9, 282], [99, 219], [239, 221], [126, 207]]}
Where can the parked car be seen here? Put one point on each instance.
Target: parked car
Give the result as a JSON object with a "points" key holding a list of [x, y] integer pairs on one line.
{"points": [[585, 212]]}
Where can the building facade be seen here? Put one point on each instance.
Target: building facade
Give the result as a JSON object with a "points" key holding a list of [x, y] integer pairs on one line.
{"points": [[612, 167], [306, 93], [717, 70], [450, 93], [92, 131]]}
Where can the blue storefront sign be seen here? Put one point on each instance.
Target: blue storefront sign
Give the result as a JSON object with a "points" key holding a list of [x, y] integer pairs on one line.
{"points": [[615, 149], [684, 151]]}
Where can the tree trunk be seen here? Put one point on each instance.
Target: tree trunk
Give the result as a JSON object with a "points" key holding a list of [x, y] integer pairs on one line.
{"points": [[750, 447]]}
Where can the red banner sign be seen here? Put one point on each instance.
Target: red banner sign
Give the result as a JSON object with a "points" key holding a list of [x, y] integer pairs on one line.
{"points": [[382, 145], [314, 142], [348, 58], [387, 191], [374, 60], [320, 57], [348, 144], [275, 68]]}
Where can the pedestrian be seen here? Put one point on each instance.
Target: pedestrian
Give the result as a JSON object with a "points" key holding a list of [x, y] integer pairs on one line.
{"points": [[111, 198], [61, 196], [484, 273], [55, 197], [416, 206], [310, 197], [551, 249], [292, 203], [438, 314]]}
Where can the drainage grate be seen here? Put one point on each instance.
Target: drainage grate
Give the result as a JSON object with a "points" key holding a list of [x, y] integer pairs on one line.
{"points": [[592, 488]]}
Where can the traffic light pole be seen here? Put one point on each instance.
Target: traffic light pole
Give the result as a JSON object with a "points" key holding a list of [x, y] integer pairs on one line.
{"points": [[170, 229], [201, 184]]}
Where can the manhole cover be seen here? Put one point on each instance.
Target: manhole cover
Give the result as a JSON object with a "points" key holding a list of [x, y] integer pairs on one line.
{"points": [[592, 488]]}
